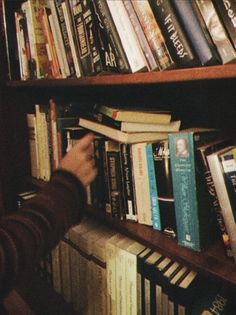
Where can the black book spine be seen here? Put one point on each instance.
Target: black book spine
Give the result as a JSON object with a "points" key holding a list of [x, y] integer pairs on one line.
{"points": [[65, 37], [115, 180], [161, 158], [81, 19], [129, 198], [104, 57], [197, 32], [227, 13], [114, 39], [176, 40]]}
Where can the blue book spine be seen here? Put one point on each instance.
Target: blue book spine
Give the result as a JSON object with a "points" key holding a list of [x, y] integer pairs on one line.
{"points": [[185, 191], [196, 29], [153, 189]]}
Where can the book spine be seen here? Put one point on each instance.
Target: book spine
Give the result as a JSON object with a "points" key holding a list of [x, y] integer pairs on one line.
{"points": [[114, 176], [153, 34], [104, 58], [176, 40], [65, 36], [161, 158], [197, 32], [129, 40], [227, 13], [184, 186], [56, 269], [57, 35], [151, 62], [128, 182], [106, 20], [217, 31], [82, 21], [141, 183], [156, 220], [65, 270]]}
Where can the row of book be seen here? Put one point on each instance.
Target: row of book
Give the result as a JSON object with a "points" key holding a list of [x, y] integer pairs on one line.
{"points": [[165, 179], [100, 271], [74, 38]]}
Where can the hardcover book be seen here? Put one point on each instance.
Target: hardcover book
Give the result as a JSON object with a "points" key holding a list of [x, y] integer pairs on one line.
{"points": [[194, 217], [197, 32], [107, 23], [227, 14], [175, 36], [217, 31], [153, 33], [218, 177], [120, 136]]}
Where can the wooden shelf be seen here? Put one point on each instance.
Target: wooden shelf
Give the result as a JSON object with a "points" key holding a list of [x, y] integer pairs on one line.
{"points": [[212, 262], [179, 75]]}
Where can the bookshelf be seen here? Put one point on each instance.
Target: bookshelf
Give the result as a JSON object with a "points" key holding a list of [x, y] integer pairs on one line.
{"points": [[202, 96]]}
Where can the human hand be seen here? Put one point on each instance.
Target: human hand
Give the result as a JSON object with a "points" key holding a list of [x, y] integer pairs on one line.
{"points": [[79, 160]]}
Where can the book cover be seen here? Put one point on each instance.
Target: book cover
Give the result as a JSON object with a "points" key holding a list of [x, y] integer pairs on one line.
{"points": [[176, 40], [153, 34], [135, 114], [194, 218], [161, 159], [197, 32], [217, 173], [121, 136], [203, 152], [226, 11], [107, 23], [151, 61], [217, 31]]}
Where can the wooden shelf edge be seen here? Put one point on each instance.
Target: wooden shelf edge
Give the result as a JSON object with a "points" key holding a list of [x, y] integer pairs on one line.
{"points": [[161, 77], [212, 262]]}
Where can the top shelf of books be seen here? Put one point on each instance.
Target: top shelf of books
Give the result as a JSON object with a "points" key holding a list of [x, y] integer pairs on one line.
{"points": [[220, 72]]}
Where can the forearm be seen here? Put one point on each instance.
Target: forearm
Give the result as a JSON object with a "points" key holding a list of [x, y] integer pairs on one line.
{"points": [[33, 231]]}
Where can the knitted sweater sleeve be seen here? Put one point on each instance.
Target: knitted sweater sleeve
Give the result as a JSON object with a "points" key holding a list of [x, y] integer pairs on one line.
{"points": [[30, 233]]}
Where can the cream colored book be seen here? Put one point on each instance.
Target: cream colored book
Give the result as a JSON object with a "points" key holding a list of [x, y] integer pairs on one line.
{"points": [[121, 136]]}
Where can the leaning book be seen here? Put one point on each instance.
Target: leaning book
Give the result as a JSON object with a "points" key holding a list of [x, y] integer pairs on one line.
{"points": [[194, 219]]}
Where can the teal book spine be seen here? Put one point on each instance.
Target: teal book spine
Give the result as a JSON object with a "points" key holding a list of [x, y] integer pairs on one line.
{"points": [[184, 187], [156, 220]]}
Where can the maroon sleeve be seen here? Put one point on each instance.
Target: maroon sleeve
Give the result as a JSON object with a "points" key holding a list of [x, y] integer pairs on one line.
{"points": [[33, 231]]}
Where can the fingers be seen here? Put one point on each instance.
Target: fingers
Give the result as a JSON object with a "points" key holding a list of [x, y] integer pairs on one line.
{"points": [[85, 142]]}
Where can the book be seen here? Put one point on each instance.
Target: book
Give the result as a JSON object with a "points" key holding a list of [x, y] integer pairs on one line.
{"points": [[141, 183], [36, 38], [121, 136], [105, 18], [33, 144], [203, 152], [151, 61], [193, 213], [217, 173], [112, 149], [128, 126], [217, 31], [153, 34], [226, 11], [128, 37], [176, 40], [164, 185], [135, 114], [197, 32], [104, 57]]}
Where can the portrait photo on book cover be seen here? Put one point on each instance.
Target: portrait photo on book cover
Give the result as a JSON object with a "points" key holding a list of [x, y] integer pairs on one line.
{"points": [[181, 147]]}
